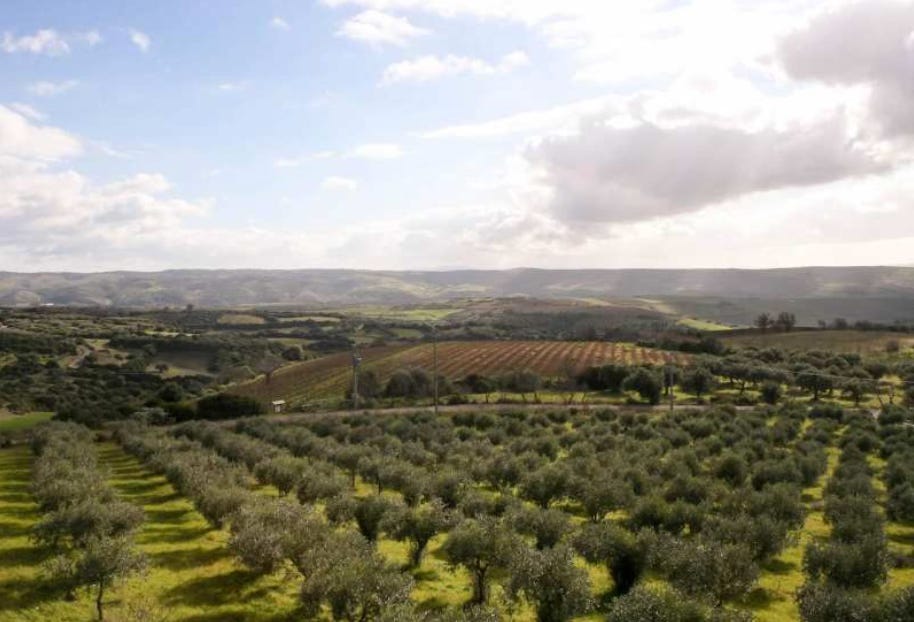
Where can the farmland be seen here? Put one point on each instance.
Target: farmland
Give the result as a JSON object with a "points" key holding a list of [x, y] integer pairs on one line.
{"points": [[560, 496], [328, 376], [856, 341]]}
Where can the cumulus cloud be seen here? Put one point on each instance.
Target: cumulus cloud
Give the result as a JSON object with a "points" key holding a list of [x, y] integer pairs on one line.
{"points": [[867, 43], [49, 89], [27, 111], [378, 28], [614, 174], [48, 211], [426, 68], [48, 42], [140, 39], [22, 139], [340, 184]]}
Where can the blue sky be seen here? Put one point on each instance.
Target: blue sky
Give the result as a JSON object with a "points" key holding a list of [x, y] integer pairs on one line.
{"points": [[425, 134]]}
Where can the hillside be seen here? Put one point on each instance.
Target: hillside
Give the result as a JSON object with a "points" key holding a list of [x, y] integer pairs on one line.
{"points": [[328, 376], [882, 286]]}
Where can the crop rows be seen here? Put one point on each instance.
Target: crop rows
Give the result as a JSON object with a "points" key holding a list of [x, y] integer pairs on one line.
{"points": [[328, 376], [701, 502]]}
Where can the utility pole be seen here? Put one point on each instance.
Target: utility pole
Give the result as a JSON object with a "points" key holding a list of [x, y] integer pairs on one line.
{"points": [[356, 362], [435, 363]]}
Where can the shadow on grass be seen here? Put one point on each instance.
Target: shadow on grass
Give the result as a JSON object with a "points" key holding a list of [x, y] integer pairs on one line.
{"points": [[167, 516], [244, 616], [19, 595], [187, 558], [216, 590], [779, 567], [174, 536], [22, 556], [138, 488], [759, 598], [906, 539]]}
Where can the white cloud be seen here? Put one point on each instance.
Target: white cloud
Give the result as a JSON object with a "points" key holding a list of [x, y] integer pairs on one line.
{"points": [[140, 39], [21, 139], [614, 42], [432, 67], [377, 28], [27, 111], [558, 119], [49, 89], [279, 23], [47, 41], [337, 184], [861, 43], [627, 174], [377, 151]]}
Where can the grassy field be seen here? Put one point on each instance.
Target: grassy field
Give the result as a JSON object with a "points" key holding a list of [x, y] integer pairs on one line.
{"points": [[191, 574], [10, 422], [863, 342], [241, 319], [328, 376], [412, 314], [773, 599]]}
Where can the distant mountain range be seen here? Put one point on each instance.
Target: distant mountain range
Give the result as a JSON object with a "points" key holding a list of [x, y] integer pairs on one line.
{"points": [[227, 288]]}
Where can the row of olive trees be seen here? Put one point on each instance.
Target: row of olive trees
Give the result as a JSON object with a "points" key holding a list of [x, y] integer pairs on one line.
{"points": [[86, 529], [265, 536], [855, 556], [416, 383], [740, 537]]}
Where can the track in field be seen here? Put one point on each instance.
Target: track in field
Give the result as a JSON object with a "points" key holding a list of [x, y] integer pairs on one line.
{"points": [[328, 376]]}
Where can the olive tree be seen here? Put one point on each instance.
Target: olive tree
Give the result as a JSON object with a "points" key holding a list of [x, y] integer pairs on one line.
{"points": [[98, 566], [418, 525], [550, 579], [479, 545], [617, 548]]}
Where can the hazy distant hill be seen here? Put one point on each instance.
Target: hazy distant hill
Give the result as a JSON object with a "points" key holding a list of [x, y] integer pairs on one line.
{"points": [[214, 288]]}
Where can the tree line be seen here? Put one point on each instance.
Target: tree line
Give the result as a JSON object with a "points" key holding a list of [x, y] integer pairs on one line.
{"points": [[87, 531]]}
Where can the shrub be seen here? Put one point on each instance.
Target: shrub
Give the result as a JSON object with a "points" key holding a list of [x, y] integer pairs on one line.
{"points": [[228, 406]]}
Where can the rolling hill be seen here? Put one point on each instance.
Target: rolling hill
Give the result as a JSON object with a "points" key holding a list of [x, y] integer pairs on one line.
{"points": [[874, 293]]}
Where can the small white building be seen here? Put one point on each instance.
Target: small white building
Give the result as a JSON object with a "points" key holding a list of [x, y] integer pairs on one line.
{"points": [[278, 406]]}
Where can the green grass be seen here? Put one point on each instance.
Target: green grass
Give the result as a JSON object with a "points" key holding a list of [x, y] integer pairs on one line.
{"points": [[191, 574], [773, 599], [17, 423], [414, 314]]}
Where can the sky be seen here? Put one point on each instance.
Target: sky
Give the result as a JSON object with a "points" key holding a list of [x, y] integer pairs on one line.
{"points": [[442, 134]]}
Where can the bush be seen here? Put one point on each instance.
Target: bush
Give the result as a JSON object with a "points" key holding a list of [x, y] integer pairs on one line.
{"points": [[228, 406], [771, 392], [644, 604]]}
